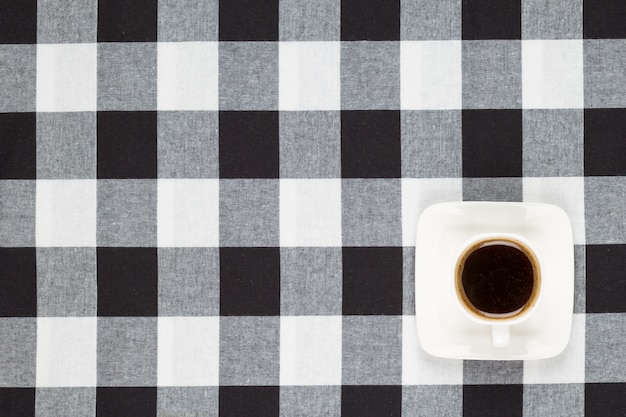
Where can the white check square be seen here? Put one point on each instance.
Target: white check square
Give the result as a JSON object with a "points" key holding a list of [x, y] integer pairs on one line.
{"points": [[187, 76], [188, 213], [310, 350], [310, 212], [309, 76], [66, 351], [66, 77], [66, 213], [552, 74], [430, 75], [188, 351]]}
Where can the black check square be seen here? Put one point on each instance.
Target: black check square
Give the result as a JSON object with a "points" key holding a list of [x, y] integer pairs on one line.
{"points": [[604, 19], [370, 144], [493, 400], [126, 401], [371, 400], [127, 144], [372, 280], [18, 21], [249, 144], [492, 143], [370, 20], [17, 402], [18, 143], [605, 142], [127, 20], [18, 282], [605, 400], [492, 19], [248, 20], [249, 281], [127, 281], [605, 266], [248, 401]]}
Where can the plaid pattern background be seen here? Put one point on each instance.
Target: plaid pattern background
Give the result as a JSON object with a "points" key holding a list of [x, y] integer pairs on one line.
{"points": [[209, 207]]}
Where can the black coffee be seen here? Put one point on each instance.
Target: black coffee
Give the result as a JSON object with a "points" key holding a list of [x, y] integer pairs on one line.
{"points": [[498, 278]]}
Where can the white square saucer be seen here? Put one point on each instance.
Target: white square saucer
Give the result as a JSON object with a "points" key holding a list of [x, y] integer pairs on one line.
{"points": [[442, 328]]}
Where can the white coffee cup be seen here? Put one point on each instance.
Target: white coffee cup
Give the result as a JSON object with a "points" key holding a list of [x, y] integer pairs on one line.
{"points": [[464, 283]]}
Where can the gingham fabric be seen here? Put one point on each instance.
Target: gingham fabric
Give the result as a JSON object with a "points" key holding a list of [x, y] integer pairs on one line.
{"points": [[209, 207]]}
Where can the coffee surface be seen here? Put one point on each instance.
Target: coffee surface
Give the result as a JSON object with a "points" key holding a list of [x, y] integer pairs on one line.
{"points": [[497, 279]]}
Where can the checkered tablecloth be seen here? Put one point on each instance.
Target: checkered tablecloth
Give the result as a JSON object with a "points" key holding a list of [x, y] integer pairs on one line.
{"points": [[208, 207]]}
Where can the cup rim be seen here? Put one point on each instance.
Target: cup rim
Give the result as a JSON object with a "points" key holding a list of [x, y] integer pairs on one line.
{"points": [[513, 317]]}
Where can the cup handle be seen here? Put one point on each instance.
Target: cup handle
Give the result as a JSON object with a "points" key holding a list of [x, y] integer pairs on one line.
{"points": [[500, 336]]}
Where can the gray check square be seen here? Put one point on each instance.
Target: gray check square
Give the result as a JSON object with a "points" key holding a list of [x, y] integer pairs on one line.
{"points": [[189, 281], [552, 142], [311, 401], [187, 144], [430, 19], [187, 401], [64, 401], [18, 78], [549, 19], [187, 20], [492, 189], [310, 281], [248, 75], [431, 144], [17, 213], [604, 213], [310, 144], [370, 75], [492, 372], [127, 351], [605, 78], [303, 20], [372, 350], [127, 76], [249, 350], [67, 21], [371, 214], [249, 212], [66, 282], [18, 351], [127, 213], [580, 279], [554, 400], [427, 400], [605, 357], [66, 145], [408, 280], [492, 74]]}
